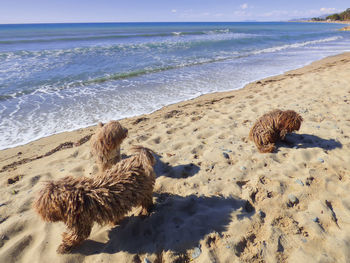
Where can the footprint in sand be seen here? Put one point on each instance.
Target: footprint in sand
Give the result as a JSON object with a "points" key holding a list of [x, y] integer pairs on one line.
{"points": [[177, 146], [27, 205], [171, 131], [34, 180], [156, 140], [142, 138], [77, 169], [16, 249], [74, 155]]}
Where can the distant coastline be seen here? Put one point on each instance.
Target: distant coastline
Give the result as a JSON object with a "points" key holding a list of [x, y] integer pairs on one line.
{"points": [[343, 18], [347, 22], [346, 28]]}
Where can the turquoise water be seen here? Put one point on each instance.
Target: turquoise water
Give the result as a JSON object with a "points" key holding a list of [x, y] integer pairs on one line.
{"points": [[59, 77]]}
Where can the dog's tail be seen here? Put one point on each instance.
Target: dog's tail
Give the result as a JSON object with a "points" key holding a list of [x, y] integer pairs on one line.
{"points": [[47, 204], [145, 154]]}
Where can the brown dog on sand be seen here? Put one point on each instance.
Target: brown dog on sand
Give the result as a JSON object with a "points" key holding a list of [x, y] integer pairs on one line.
{"points": [[274, 126], [106, 199], [105, 143]]}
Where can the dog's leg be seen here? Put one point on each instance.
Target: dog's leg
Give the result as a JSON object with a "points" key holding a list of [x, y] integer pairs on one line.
{"points": [[117, 221], [103, 166], [74, 237], [113, 161], [283, 134], [264, 143], [266, 148], [112, 158], [117, 155], [147, 205]]}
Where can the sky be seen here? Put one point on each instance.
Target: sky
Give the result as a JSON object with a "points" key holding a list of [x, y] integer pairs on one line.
{"points": [[62, 11]]}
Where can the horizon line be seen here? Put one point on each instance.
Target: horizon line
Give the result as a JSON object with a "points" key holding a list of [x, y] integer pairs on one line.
{"points": [[134, 22]]}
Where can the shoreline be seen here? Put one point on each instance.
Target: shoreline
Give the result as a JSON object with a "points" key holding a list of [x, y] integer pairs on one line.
{"points": [[135, 116], [78, 134], [30, 116], [216, 197], [346, 28]]}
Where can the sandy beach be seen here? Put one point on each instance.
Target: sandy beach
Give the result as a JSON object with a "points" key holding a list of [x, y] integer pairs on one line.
{"points": [[217, 199]]}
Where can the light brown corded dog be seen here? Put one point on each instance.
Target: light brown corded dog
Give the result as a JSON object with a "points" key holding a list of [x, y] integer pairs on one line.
{"points": [[274, 126], [106, 199], [105, 144]]}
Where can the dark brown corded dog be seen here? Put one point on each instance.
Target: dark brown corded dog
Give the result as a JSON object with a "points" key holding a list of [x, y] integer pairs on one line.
{"points": [[105, 199], [274, 126], [105, 143]]}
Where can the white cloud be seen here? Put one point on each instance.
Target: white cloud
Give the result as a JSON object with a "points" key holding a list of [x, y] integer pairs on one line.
{"points": [[239, 13], [244, 6], [276, 13], [327, 10], [192, 15], [173, 11], [242, 14], [294, 14], [219, 15]]}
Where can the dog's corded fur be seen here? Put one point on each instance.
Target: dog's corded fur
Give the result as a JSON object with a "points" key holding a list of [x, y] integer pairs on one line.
{"points": [[274, 126], [105, 199], [105, 143]]}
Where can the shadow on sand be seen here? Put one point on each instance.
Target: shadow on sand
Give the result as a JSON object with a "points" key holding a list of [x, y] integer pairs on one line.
{"points": [[304, 141], [164, 169], [176, 172], [177, 224]]}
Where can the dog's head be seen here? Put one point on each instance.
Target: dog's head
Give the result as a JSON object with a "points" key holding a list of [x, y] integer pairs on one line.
{"points": [[112, 132], [108, 137], [290, 120]]}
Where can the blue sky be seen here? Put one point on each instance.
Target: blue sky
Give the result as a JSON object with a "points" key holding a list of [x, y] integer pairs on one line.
{"points": [[52, 11]]}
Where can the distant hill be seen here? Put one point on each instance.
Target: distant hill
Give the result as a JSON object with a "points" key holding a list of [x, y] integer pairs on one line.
{"points": [[343, 16], [320, 18], [324, 16], [300, 19]]}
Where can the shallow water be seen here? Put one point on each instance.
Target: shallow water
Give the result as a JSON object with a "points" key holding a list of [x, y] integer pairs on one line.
{"points": [[59, 77]]}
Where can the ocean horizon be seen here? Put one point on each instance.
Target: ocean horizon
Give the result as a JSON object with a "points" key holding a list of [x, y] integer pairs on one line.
{"points": [[64, 76]]}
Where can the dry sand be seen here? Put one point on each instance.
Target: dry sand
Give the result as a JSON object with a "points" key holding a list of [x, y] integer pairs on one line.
{"points": [[217, 199]]}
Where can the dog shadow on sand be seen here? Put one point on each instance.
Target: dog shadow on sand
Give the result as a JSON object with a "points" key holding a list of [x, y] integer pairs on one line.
{"points": [[304, 141], [177, 223], [180, 171], [165, 169]]}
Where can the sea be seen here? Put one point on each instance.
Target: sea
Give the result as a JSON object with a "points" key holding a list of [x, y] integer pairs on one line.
{"points": [[61, 77]]}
